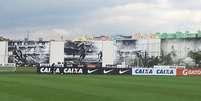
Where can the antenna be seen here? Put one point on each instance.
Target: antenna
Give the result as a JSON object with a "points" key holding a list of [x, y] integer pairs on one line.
{"points": [[62, 37], [28, 35]]}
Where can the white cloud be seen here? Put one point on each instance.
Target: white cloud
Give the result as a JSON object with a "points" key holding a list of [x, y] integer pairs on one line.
{"points": [[161, 16], [70, 17], [46, 34]]}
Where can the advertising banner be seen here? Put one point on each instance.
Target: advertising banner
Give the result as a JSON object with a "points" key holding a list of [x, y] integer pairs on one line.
{"points": [[73, 70], [61, 70], [189, 72], [94, 71], [154, 71], [165, 71], [88, 53], [79, 70], [143, 71], [115, 71], [109, 70], [124, 71], [30, 53]]}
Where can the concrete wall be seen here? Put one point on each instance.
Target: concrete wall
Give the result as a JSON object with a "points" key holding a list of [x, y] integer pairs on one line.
{"points": [[3, 52], [179, 50], [56, 52], [108, 53], [180, 46], [152, 47]]}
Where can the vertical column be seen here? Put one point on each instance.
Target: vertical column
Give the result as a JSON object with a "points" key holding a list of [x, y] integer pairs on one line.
{"points": [[56, 52], [108, 53], [3, 52]]}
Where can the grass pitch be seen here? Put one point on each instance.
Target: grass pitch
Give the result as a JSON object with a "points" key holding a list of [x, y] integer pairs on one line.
{"points": [[38, 87]]}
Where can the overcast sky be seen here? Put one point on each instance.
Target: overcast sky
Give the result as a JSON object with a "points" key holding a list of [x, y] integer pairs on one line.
{"points": [[52, 18]]}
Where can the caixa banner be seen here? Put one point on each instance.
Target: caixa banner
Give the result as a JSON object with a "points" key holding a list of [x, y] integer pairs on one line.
{"points": [[60, 70], [142, 71], [188, 71], [165, 71], [154, 71], [77, 70]]}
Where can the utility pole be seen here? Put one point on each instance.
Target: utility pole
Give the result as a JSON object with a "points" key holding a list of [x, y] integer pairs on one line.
{"points": [[62, 37], [27, 36]]}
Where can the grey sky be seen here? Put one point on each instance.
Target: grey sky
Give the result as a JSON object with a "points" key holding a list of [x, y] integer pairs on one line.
{"points": [[47, 18]]}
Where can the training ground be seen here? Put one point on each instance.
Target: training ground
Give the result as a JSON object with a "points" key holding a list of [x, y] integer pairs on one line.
{"points": [[30, 86]]}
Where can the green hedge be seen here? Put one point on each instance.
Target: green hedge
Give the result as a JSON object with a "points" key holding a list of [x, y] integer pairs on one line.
{"points": [[26, 69]]}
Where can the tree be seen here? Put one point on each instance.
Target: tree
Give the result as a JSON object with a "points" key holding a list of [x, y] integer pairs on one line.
{"points": [[196, 56]]}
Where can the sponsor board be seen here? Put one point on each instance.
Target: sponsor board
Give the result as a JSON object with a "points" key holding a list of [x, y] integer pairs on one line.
{"points": [[73, 70], [44, 70], [188, 72], [124, 71], [142, 71], [165, 71], [93, 71], [77, 70], [109, 70], [154, 71], [116, 71], [60, 70]]}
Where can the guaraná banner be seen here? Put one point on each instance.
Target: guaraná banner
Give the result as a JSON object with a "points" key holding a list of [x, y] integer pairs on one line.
{"points": [[188, 71]]}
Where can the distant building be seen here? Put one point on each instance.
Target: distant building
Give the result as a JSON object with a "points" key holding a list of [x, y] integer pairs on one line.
{"points": [[102, 38], [3, 39], [137, 50]]}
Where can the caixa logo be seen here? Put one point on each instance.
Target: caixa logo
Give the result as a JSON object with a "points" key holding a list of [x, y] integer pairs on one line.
{"points": [[73, 70], [45, 70], [165, 71], [142, 71]]}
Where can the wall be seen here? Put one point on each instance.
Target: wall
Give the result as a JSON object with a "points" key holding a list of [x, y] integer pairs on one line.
{"points": [[56, 52], [152, 47], [108, 53], [3, 52], [179, 49], [28, 52]]}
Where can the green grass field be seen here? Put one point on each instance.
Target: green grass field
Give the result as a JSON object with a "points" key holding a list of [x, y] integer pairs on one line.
{"points": [[38, 87]]}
